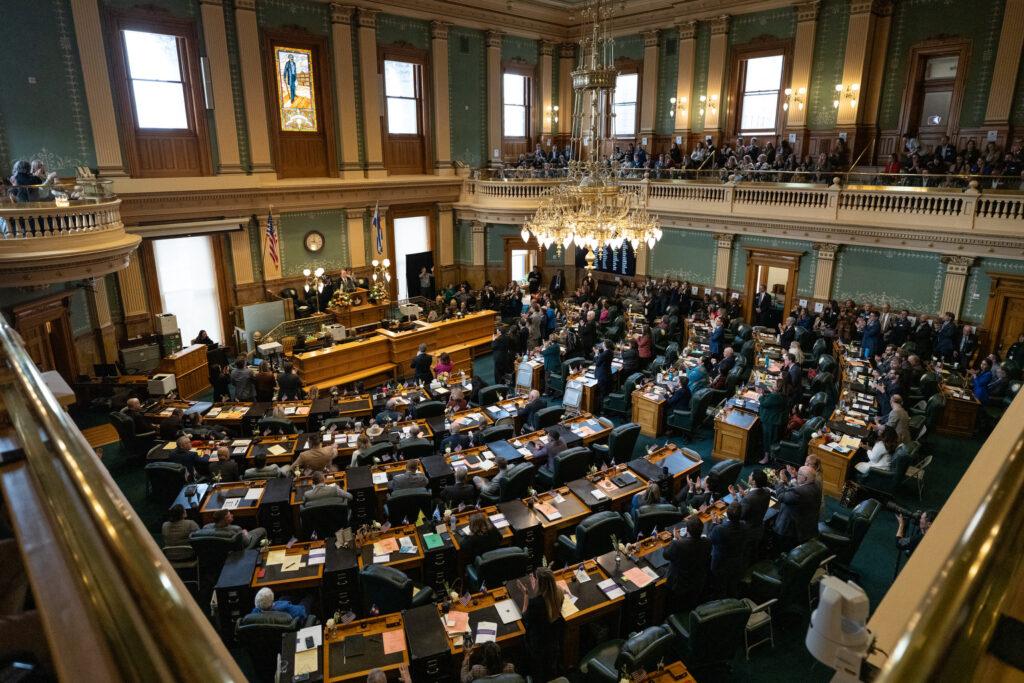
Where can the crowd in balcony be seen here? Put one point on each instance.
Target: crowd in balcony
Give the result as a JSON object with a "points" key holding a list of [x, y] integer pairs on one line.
{"points": [[29, 181]]}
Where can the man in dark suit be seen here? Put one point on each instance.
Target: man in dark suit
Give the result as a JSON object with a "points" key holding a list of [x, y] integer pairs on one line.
{"points": [[967, 345], [945, 151], [689, 559], [792, 376], [754, 503], [533, 280], [557, 286], [501, 351], [544, 456], [799, 505], [421, 365], [603, 371], [717, 338], [763, 307], [899, 330], [172, 425], [184, 455], [533, 404], [288, 383], [411, 478], [728, 551], [945, 338], [588, 333], [680, 398], [133, 409], [727, 363], [871, 340], [462, 491]]}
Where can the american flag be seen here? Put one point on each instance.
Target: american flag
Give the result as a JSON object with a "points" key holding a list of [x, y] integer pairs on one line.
{"points": [[377, 228], [272, 240]]}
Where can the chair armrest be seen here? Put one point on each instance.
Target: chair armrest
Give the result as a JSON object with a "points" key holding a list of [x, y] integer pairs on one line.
{"points": [[423, 596], [471, 577], [599, 448], [839, 520], [832, 540], [145, 435], [597, 671], [566, 547], [631, 524], [311, 620]]}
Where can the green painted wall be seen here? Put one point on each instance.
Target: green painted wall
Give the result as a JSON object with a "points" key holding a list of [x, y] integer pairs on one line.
{"points": [[668, 70], [467, 78], [738, 261], [304, 14], [630, 47], [496, 234], [463, 243], [702, 53], [777, 23], [979, 284], [47, 119], [394, 29], [684, 255], [295, 226], [903, 279], [827, 65], [237, 94], [523, 49], [914, 21]]}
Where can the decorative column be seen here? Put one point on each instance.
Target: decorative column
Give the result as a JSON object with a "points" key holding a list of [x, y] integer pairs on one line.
{"points": [[215, 36], [1004, 73], [800, 78], [953, 286], [826, 260], [241, 256], [137, 319], [566, 104], [867, 41], [372, 95], [442, 112], [271, 270], [723, 259], [547, 117], [687, 47], [479, 243], [716, 77], [99, 311], [345, 85], [569, 262], [494, 97], [250, 61], [355, 228], [649, 97], [96, 79], [643, 256], [446, 234]]}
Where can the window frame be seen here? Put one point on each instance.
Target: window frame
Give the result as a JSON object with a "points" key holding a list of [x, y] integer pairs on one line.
{"points": [[740, 55], [742, 93], [420, 65], [627, 67], [528, 79], [186, 33], [915, 86]]}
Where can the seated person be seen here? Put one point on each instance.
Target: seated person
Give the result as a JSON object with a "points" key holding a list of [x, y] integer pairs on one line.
{"points": [[534, 402], [320, 489], [392, 412], [444, 365], [225, 469], [695, 495], [409, 479], [261, 470], [649, 496], [319, 459], [727, 363], [492, 487], [362, 443], [462, 492], [680, 398], [265, 602], [176, 530], [457, 441], [133, 409], [543, 455], [881, 454], [224, 521], [483, 536], [184, 455], [457, 401], [482, 661], [172, 425]]}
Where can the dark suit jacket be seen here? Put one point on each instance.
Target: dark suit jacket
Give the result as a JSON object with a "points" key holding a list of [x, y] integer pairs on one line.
{"points": [[530, 410], [421, 365], [473, 546], [689, 564], [453, 494], [603, 368], [501, 351], [187, 458], [728, 547], [716, 340], [142, 425], [755, 505], [290, 386], [798, 512], [725, 366], [945, 340]]}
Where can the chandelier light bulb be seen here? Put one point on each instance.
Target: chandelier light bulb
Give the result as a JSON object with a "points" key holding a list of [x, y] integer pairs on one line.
{"points": [[319, 272], [374, 263], [525, 234], [387, 263], [306, 272]]}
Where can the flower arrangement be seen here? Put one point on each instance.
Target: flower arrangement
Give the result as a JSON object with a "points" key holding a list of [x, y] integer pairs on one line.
{"points": [[379, 291], [341, 299], [442, 377]]}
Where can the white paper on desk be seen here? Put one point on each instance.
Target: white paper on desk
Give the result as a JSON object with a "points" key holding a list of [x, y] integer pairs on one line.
{"points": [[253, 494], [485, 465], [508, 611], [292, 563], [493, 409], [525, 451], [240, 450], [569, 607], [405, 542], [598, 494], [488, 455], [319, 559], [558, 498], [611, 589], [499, 521], [651, 573], [314, 632], [380, 477], [241, 442], [314, 552], [381, 559], [230, 504], [277, 450], [465, 531], [486, 632], [581, 575]]}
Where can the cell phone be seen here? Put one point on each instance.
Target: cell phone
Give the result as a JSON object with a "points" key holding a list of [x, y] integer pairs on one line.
{"points": [[310, 642]]}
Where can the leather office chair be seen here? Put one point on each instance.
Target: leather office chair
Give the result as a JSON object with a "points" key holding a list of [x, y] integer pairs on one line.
{"points": [[820, 347], [501, 678], [671, 353], [212, 547], [711, 634], [570, 464], [425, 409], [884, 483], [747, 350], [405, 505], [819, 405], [607, 662], [496, 433], [260, 636], [659, 516], [495, 567], [390, 590], [926, 387], [689, 419], [844, 531], [619, 401], [183, 559], [793, 451], [134, 445], [926, 418], [276, 425], [828, 364], [722, 475], [164, 481], [375, 452], [823, 383], [415, 449], [323, 516], [556, 379], [734, 378], [493, 393], [593, 536], [621, 442], [513, 486], [547, 417], [787, 577]]}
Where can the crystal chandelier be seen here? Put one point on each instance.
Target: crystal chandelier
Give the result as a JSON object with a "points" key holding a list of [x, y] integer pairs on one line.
{"points": [[592, 209]]}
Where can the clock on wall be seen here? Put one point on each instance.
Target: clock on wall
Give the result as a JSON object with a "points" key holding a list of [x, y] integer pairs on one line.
{"points": [[314, 241]]}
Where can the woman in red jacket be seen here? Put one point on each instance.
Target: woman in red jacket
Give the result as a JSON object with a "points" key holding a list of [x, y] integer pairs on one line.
{"points": [[645, 347]]}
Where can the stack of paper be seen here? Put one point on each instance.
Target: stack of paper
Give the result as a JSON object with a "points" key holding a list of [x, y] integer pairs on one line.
{"points": [[394, 641], [276, 450], [380, 478], [486, 632], [456, 623], [548, 511], [499, 521], [386, 546], [508, 611], [317, 556], [611, 589], [230, 504], [253, 494], [638, 577]]}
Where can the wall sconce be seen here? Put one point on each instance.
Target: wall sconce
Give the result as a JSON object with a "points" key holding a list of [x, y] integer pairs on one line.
{"points": [[708, 104], [797, 98], [672, 106], [849, 93], [553, 114]]}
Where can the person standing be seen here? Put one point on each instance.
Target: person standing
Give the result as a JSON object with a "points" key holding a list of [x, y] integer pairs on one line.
{"points": [[763, 307], [421, 365], [541, 607], [689, 559], [603, 371], [772, 410], [426, 283]]}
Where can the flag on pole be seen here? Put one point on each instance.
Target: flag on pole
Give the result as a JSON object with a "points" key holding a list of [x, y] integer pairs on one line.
{"points": [[272, 240], [377, 228]]}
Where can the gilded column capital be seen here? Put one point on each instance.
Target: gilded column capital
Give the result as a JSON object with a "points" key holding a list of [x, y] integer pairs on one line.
{"points": [[724, 239], [352, 214], [808, 11], [478, 226], [341, 14], [720, 25], [826, 250], [687, 29], [547, 48], [445, 207], [958, 265], [567, 50], [249, 5], [367, 17], [651, 38], [493, 39], [439, 30]]}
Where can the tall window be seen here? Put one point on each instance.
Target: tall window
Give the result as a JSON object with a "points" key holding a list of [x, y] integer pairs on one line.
{"points": [[937, 90], [187, 277], [412, 236], [516, 99], [759, 101], [402, 90], [157, 82], [626, 85]]}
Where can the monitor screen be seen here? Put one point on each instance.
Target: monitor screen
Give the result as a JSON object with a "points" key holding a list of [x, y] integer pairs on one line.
{"points": [[573, 395], [524, 376]]}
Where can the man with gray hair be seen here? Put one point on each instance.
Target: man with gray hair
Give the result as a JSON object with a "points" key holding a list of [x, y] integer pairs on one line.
{"points": [[184, 455], [265, 602], [462, 491], [799, 506], [321, 489]]}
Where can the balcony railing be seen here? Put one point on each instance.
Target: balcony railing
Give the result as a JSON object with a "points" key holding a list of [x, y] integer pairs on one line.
{"points": [[60, 238]]}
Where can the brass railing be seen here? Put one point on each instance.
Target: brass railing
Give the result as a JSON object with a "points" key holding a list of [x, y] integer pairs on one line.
{"points": [[151, 626]]}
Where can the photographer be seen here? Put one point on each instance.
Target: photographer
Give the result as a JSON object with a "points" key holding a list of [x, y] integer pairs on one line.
{"points": [[908, 539]]}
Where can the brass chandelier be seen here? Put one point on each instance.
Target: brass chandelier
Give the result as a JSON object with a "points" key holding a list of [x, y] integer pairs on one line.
{"points": [[593, 209]]}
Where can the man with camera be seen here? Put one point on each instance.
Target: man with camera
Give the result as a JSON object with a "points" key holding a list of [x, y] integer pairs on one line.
{"points": [[911, 528]]}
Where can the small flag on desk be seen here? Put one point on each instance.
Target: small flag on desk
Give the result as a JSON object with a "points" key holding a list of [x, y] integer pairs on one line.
{"points": [[465, 598], [385, 526], [421, 519], [347, 617], [437, 513]]}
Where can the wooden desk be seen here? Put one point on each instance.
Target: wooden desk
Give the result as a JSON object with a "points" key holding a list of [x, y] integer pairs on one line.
{"points": [[571, 510], [271, 572], [960, 415], [736, 433], [649, 412], [536, 375], [158, 411], [588, 398], [230, 414], [473, 460], [364, 359], [615, 497], [373, 545], [354, 406], [835, 466], [383, 472], [295, 411], [670, 457], [217, 495], [302, 484], [470, 419], [473, 330], [481, 607], [190, 370], [673, 673], [363, 314], [271, 446], [459, 523], [338, 667], [588, 428]]}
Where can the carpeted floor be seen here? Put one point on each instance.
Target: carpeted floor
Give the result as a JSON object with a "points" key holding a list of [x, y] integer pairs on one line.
{"points": [[789, 660]]}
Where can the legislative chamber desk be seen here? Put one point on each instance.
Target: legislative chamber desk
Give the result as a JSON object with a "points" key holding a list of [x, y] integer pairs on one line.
{"points": [[399, 547], [458, 337], [242, 499], [648, 411], [365, 359], [157, 411], [279, 450], [669, 465], [673, 673], [960, 415], [471, 419], [609, 489], [536, 375], [736, 434], [354, 406], [190, 370], [539, 519], [462, 621], [358, 647], [588, 428], [285, 568], [641, 577], [459, 526]]}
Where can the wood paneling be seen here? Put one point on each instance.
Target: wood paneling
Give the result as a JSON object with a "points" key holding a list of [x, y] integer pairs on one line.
{"points": [[407, 154], [45, 327], [404, 154], [167, 155]]}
